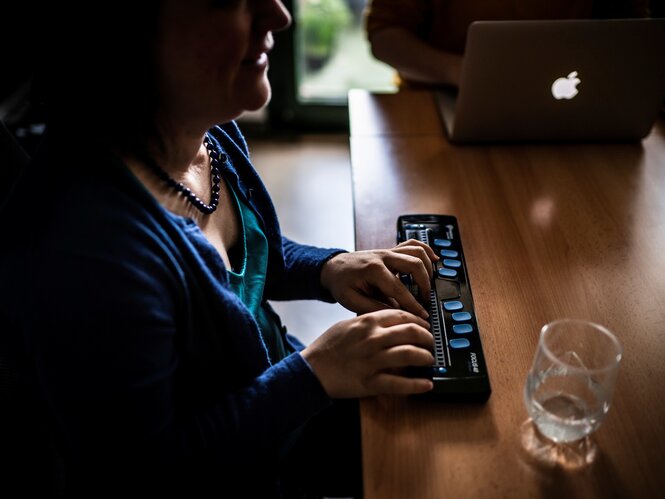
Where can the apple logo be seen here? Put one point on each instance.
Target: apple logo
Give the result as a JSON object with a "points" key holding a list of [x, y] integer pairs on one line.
{"points": [[565, 88]]}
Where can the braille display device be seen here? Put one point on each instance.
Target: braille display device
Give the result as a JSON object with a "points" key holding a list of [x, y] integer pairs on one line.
{"points": [[459, 371]]}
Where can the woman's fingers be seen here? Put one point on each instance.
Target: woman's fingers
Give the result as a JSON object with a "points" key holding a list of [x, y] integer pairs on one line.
{"points": [[402, 262], [424, 254], [366, 281], [431, 255], [406, 334], [353, 354], [363, 304], [394, 317], [403, 356], [420, 253], [390, 286]]}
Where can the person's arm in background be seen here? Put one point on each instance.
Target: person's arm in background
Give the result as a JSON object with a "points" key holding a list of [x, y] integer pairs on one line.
{"points": [[395, 29], [415, 59]]}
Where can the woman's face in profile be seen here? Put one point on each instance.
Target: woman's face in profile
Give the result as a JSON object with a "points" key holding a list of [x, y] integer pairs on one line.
{"points": [[212, 57]]}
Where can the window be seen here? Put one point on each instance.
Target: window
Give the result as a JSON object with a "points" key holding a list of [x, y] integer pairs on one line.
{"points": [[328, 54], [332, 52]]}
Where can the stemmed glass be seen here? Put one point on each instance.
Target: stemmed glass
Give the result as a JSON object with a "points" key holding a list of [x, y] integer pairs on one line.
{"points": [[568, 391]]}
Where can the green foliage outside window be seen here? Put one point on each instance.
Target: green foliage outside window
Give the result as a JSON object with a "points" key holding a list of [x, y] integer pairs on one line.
{"points": [[321, 23]]}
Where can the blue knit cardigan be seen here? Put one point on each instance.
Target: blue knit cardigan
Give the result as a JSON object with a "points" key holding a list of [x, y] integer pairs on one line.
{"points": [[154, 374]]}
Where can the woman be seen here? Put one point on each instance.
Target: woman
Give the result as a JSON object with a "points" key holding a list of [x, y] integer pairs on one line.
{"points": [[145, 248]]}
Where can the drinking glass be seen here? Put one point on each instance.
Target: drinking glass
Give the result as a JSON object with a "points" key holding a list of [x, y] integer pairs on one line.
{"points": [[568, 391]]}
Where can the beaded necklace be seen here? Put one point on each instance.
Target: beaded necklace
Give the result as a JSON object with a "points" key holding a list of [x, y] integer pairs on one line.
{"points": [[215, 159]]}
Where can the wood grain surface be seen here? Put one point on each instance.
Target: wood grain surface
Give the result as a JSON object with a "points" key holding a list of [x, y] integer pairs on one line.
{"points": [[549, 231]]}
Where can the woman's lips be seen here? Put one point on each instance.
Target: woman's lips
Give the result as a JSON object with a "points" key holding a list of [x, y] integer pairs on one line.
{"points": [[258, 55], [258, 62]]}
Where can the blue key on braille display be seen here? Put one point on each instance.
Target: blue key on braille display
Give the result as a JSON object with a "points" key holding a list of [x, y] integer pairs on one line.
{"points": [[461, 316], [442, 242], [449, 253], [462, 328], [448, 262], [453, 305], [459, 343], [443, 272]]}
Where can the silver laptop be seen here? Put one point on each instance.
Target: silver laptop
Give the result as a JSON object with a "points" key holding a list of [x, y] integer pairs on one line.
{"points": [[577, 80]]}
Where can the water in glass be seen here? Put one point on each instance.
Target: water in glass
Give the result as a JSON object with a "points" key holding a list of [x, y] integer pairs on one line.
{"points": [[565, 407]]}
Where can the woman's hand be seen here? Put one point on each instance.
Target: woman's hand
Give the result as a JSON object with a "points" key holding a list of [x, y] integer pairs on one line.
{"points": [[366, 281], [362, 356]]}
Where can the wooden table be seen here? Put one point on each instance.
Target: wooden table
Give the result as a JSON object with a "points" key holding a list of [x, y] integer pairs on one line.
{"points": [[549, 231]]}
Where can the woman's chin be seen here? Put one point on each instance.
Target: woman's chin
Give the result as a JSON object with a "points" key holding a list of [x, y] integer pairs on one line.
{"points": [[246, 100], [259, 98]]}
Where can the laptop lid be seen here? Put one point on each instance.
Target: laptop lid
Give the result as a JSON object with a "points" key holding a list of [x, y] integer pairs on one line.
{"points": [[564, 80]]}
